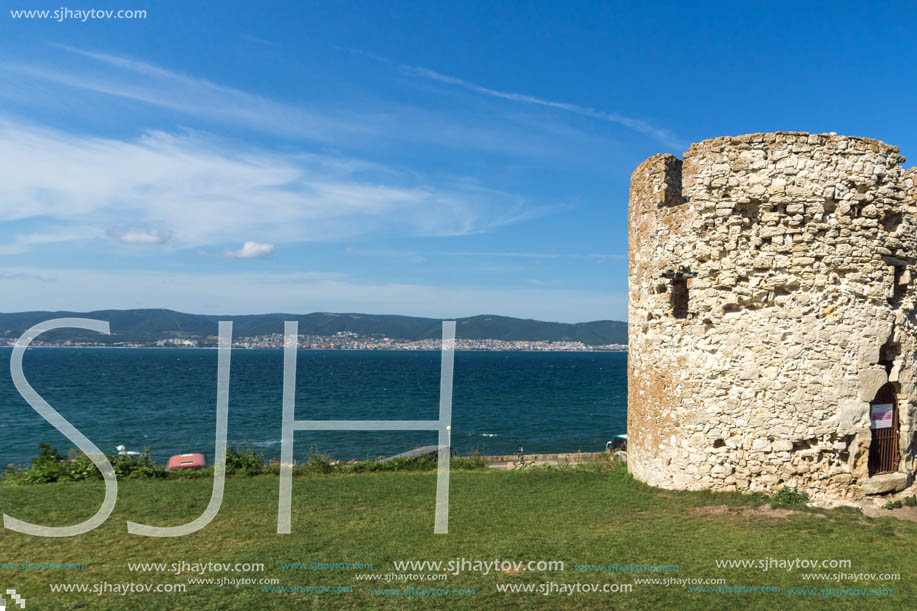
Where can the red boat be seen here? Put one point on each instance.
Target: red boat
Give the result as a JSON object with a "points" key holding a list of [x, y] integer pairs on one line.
{"points": [[186, 461]]}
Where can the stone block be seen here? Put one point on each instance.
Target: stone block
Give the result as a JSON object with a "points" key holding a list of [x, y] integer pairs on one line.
{"points": [[852, 415], [871, 380], [782, 445], [886, 482]]}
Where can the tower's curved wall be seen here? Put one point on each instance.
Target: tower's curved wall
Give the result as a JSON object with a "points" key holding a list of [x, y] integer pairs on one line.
{"points": [[771, 297]]}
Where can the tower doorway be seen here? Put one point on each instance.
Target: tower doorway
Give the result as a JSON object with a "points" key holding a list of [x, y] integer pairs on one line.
{"points": [[883, 424]]}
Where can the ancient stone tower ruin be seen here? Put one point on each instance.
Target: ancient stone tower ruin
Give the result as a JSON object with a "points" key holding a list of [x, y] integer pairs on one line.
{"points": [[772, 316]]}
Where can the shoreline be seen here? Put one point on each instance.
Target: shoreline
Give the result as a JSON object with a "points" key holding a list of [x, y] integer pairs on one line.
{"points": [[183, 348]]}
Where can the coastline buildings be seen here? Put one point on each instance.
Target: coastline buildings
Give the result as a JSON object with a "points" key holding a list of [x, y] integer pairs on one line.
{"points": [[352, 341], [345, 341]]}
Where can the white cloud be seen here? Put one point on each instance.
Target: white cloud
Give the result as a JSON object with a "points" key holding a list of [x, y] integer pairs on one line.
{"points": [[251, 250], [197, 190], [139, 236]]}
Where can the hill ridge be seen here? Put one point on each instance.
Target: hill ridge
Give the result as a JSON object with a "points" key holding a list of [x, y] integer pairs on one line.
{"points": [[151, 324]]}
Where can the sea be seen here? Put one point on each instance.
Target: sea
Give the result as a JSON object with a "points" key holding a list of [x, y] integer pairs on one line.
{"points": [[164, 400]]}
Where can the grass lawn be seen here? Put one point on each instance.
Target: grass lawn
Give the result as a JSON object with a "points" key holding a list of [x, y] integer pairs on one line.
{"points": [[578, 517]]}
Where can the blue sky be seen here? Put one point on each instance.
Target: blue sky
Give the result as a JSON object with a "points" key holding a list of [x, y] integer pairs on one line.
{"points": [[430, 158]]}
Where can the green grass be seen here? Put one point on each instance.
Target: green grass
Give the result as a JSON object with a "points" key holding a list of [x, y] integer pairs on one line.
{"points": [[584, 516]]}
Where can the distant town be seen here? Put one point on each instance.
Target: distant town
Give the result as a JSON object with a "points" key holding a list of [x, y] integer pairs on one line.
{"points": [[160, 328], [342, 340]]}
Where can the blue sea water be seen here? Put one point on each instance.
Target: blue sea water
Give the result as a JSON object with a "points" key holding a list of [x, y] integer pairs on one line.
{"points": [[165, 400]]}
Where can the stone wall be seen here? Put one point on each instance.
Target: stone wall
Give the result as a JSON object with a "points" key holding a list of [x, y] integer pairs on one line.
{"points": [[771, 296]]}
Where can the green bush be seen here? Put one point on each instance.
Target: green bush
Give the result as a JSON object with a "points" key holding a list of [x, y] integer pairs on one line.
{"points": [[317, 463], [789, 497], [247, 463], [911, 501], [52, 467]]}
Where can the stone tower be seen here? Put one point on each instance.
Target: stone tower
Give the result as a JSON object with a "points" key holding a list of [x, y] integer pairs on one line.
{"points": [[773, 331]]}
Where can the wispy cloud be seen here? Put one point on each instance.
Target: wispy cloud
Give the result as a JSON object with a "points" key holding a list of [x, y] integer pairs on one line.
{"points": [[369, 124], [260, 41], [358, 126], [139, 236], [196, 191], [662, 135], [638, 125], [143, 82], [251, 250], [25, 241]]}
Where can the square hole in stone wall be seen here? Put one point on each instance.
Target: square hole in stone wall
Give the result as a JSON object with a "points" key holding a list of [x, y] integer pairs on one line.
{"points": [[679, 297]]}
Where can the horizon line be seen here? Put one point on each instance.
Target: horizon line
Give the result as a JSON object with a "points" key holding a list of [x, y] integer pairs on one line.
{"points": [[325, 312]]}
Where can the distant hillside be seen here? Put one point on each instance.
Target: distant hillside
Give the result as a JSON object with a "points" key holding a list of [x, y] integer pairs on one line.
{"points": [[151, 325]]}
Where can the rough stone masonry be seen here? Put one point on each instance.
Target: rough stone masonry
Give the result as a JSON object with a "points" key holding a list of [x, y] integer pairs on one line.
{"points": [[772, 303]]}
